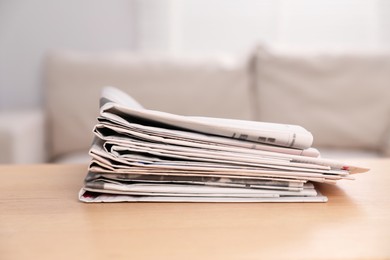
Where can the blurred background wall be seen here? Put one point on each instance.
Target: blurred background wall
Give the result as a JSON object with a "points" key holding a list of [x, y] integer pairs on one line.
{"points": [[190, 27], [30, 28]]}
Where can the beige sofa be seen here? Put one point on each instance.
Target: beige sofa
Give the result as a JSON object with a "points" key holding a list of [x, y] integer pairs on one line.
{"points": [[344, 99]]}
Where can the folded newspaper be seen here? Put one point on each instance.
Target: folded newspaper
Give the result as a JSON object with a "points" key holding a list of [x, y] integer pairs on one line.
{"points": [[152, 156]]}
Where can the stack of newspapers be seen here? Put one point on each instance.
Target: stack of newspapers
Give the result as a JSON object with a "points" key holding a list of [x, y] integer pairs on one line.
{"points": [[152, 156]]}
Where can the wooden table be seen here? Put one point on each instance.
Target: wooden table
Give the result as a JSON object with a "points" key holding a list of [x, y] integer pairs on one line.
{"points": [[41, 218]]}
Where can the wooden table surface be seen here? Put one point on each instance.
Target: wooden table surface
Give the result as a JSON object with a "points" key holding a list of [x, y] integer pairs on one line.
{"points": [[41, 218]]}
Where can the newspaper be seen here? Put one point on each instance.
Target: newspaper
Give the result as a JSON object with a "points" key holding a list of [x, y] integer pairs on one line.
{"points": [[117, 108], [145, 155], [88, 196]]}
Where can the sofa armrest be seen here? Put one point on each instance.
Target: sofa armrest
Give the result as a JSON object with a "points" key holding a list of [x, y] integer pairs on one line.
{"points": [[22, 137], [385, 144]]}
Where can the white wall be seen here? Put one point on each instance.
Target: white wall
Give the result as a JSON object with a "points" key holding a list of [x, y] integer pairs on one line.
{"points": [[226, 26], [330, 25], [187, 27], [384, 21], [234, 27], [29, 28], [153, 25]]}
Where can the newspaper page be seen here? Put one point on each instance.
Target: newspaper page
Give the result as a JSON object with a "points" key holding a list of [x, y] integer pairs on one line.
{"points": [[269, 133]]}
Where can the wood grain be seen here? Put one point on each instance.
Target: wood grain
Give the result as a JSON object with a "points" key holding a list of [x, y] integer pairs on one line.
{"points": [[41, 218]]}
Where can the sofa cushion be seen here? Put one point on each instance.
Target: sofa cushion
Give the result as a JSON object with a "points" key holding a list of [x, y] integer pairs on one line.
{"points": [[344, 100], [208, 87]]}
